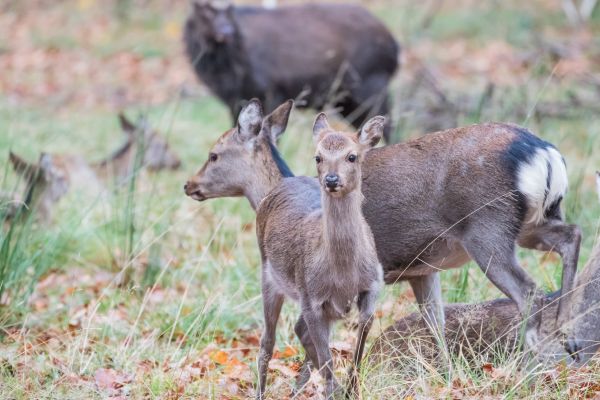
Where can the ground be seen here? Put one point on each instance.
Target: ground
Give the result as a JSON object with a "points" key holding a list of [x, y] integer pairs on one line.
{"points": [[187, 321]]}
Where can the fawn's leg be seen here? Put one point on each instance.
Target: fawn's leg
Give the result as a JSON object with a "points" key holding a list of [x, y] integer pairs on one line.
{"points": [[311, 358], [318, 328], [366, 307], [272, 302], [428, 292]]}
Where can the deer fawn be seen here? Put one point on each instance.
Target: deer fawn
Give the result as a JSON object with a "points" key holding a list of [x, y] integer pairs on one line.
{"points": [[318, 250], [484, 327], [436, 202], [48, 180]]}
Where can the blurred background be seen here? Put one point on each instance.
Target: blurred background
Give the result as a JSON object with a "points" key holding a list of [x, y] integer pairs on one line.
{"points": [[187, 319]]}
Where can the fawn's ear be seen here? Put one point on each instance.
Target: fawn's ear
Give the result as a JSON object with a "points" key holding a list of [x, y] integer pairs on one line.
{"points": [[274, 124], [250, 120], [320, 126], [21, 166], [126, 125], [598, 184], [372, 131]]}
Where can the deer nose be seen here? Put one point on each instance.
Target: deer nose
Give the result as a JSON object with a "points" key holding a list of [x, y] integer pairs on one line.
{"points": [[331, 181]]}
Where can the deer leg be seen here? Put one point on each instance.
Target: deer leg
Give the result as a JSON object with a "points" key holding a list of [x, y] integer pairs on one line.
{"points": [[555, 235], [311, 357], [318, 328], [428, 292], [272, 302], [495, 255], [366, 307]]}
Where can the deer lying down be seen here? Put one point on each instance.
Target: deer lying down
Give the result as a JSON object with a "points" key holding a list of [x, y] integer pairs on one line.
{"points": [[53, 175], [317, 248], [493, 327], [434, 203]]}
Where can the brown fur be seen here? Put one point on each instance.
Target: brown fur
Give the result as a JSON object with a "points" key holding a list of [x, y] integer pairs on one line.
{"points": [[318, 250], [435, 202]]}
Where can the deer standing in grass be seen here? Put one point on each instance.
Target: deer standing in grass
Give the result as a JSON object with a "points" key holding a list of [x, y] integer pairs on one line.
{"points": [[474, 330], [53, 175], [434, 203], [317, 248]]}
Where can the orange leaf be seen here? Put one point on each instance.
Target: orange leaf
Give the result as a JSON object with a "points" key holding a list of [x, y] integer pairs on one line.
{"points": [[219, 356], [288, 352]]}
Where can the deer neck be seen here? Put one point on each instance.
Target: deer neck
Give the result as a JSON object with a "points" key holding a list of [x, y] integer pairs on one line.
{"points": [[343, 226], [270, 171], [117, 164]]}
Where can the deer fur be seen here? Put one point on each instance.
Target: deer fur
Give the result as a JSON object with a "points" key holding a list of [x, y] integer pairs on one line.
{"points": [[436, 202], [318, 250], [485, 329], [53, 175], [324, 54]]}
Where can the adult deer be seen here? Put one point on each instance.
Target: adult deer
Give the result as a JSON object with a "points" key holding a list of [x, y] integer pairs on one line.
{"points": [[434, 203], [484, 328]]}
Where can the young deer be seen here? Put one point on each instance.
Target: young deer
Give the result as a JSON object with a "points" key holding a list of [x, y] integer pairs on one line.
{"points": [[48, 180], [478, 329], [317, 248], [438, 201]]}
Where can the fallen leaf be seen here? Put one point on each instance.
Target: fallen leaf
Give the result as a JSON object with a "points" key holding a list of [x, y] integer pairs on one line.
{"points": [[288, 352], [219, 356], [107, 378]]}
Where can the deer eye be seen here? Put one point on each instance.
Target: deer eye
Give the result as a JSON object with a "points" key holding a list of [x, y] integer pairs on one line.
{"points": [[352, 158], [318, 159], [212, 157]]}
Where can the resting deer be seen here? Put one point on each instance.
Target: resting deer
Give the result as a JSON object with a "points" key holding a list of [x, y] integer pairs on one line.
{"points": [[49, 179], [436, 202], [484, 328], [316, 246]]}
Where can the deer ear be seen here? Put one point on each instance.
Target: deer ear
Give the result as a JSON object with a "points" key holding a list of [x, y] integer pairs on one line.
{"points": [[21, 166], [275, 123], [321, 125], [372, 131], [598, 184], [250, 120], [127, 126]]}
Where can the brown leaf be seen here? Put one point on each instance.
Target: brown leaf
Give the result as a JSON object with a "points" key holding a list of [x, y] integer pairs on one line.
{"points": [[288, 352], [219, 357], [107, 378]]}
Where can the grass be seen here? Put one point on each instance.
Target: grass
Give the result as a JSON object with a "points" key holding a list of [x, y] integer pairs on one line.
{"points": [[193, 289]]}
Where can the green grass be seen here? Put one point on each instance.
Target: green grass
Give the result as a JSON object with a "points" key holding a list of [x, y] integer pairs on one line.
{"points": [[193, 283]]}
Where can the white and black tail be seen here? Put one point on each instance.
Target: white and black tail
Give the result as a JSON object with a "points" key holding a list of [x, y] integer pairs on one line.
{"points": [[541, 178]]}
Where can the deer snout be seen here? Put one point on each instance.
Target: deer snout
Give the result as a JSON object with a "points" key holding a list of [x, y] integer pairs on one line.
{"points": [[332, 181], [192, 190]]}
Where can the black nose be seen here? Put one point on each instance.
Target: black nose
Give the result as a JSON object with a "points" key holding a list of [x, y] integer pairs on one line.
{"points": [[331, 181], [573, 347], [185, 187]]}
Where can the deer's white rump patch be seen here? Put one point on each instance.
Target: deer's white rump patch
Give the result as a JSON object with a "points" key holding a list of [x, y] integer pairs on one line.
{"points": [[543, 180]]}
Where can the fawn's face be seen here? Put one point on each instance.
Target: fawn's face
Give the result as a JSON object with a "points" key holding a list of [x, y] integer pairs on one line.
{"points": [[339, 154], [235, 161], [46, 181]]}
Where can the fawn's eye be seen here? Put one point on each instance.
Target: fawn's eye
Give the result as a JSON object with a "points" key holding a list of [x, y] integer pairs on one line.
{"points": [[352, 157], [213, 157], [318, 159]]}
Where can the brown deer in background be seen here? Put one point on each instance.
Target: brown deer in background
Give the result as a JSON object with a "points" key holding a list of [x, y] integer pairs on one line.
{"points": [[53, 175], [316, 247], [436, 202], [493, 327]]}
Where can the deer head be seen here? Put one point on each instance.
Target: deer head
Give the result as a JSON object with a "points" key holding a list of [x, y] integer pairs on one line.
{"points": [[244, 161], [215, 21], [339, 154], [157, 152], [46, 181]]}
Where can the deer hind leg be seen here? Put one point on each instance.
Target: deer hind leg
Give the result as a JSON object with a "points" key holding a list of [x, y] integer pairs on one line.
{"points": [[311, 359], [494, 252], [565, 239], [272, 302]]}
